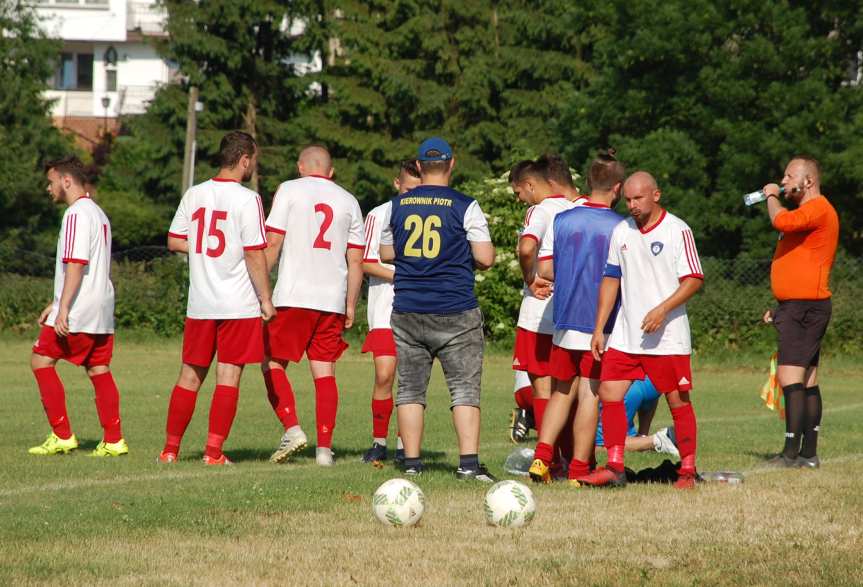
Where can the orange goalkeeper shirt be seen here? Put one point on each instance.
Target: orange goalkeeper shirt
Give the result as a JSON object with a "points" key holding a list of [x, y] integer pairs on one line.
{"points": [[805, 252]]}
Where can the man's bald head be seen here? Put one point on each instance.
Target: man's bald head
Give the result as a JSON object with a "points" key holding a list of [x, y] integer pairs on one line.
{"points": [[640, 180], [315, 160]]}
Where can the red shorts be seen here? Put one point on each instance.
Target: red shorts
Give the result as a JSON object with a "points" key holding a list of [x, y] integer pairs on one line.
{"points": [[667, 372], [532, 352], [295, 331], [78, 348], [238, 341], [380, 343], [566, 364]]}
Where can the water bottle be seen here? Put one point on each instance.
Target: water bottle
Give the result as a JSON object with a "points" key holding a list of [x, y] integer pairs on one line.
{"points": [[753, 198], [519, 461], [727, 477]]}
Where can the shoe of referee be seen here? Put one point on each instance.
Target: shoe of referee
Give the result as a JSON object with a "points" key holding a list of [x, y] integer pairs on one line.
{"points": [[479, 474], [812, 462], [780, 461]]}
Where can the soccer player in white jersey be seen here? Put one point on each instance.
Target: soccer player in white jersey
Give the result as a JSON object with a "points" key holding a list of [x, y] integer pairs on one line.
{"points": [[379, 341], [535, 327], [220, 225], [78, 325], [318, 227], [653, 263]]}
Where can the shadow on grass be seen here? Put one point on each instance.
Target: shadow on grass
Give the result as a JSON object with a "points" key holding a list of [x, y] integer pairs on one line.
{"points": [[341, 454], [764, 456]]}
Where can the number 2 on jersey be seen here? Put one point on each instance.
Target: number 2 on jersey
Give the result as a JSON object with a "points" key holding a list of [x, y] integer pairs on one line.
{"points": [[320, 241], [200, 217], [425, 230]]}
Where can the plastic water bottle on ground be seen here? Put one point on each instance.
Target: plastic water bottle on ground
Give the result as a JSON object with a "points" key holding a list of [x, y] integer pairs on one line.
{"points": [[519, 461], [727, 477]]}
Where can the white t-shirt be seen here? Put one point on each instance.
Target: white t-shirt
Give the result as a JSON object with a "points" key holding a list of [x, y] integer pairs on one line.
{"points": [[85, 238], [320, 221], [651, 265], [381, 292], [535, 314], [221, 219]]}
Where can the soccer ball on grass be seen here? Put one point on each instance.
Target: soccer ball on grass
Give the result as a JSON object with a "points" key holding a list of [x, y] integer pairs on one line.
{"points": [[398, 502], [509, 504]]}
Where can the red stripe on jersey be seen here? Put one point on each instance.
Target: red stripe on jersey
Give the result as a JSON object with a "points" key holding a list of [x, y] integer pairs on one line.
{"points": [[533, 236], [79, 261], [71, 229], [658, 222], [261, 219], [686, 250], [528, 215], [105, 233], [545, 258], [319, 176], [695, 253], [274, 229], [225, 180], [255, 247], [694, 275], [180, 236], [692, 253], [371, 260], [353, 246], [370, 227]]}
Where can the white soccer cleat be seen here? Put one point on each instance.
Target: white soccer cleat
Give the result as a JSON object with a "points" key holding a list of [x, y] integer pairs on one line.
{"points": [[324, 456], [663, 442], [293, 441]]}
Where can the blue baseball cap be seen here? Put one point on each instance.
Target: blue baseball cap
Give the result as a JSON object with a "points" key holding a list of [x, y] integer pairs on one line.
{"points": [[434, 144]]}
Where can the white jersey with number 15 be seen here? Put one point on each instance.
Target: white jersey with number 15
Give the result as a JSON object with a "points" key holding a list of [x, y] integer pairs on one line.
{"points": [[221, 220], [319, 220]]}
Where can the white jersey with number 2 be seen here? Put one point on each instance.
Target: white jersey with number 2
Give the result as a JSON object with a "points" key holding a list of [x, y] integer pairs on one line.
{"points": [[221, 220], [319, 220]]}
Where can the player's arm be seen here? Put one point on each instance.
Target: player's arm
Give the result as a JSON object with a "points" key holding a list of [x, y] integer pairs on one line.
{"points": [[256, 265], [74, 275], [608, 290], [527, 250], [388, 253], [536, 227], [483, 254], [275, 240], [178, 245], [355, 282], [45, 313], [545, 268], [656, 317], [375, 269]]}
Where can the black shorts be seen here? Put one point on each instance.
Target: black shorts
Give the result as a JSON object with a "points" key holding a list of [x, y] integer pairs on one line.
{"points": [[801, 325]]}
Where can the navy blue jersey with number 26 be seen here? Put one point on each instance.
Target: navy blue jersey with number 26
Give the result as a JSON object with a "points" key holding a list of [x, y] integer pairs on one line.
{"points": [[434, 264]]}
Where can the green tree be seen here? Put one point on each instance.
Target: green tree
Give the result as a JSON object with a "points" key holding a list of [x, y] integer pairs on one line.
{"points": [[27, 57], [714, 97]]}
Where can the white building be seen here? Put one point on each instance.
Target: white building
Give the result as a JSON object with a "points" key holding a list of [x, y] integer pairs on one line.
{"points": [[109, 65]]}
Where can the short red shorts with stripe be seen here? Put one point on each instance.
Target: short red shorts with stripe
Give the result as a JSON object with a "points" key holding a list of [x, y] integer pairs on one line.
{"points": [[667, 372], [297, 331], [78, 348], [236, 341], [380, 343], [567, 363], [532, 352]]}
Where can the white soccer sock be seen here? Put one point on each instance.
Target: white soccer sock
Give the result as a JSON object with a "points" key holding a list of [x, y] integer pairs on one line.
{"points": [[380, 441]]}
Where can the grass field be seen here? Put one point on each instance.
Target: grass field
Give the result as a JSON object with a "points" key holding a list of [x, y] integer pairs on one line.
{"points": [[74, 520]]}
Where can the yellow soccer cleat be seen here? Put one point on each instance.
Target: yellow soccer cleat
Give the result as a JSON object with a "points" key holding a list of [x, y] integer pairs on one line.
{"points": [[111, 449], [54, 445], [539, 472]]}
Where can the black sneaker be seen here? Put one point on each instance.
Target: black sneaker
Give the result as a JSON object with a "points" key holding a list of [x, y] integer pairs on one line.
{"points": [[399, 459], [812, 462], [518, 426], [378, 452], [413, 470], [481, 474], [780, 461]]}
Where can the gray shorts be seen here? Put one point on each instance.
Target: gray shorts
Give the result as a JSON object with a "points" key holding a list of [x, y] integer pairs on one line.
{"points": [[455, 339]]}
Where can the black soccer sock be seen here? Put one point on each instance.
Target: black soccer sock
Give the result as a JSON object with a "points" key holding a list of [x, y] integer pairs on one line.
{"points": [[468, 462], [794, 412], [412, 463], [811, 422]]}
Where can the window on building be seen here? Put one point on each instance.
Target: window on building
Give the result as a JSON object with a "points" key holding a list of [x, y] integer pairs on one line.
{"points": [[111, 80], [74, 72]]}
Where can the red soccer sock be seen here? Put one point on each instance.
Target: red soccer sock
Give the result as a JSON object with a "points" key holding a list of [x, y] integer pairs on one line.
{"points": [[281, 396], [108, 406], [578, 468], [524, 398], [326, 406], [544, 452], [382, 411], [614, 432], [686, 431], [222, 412], [539, 405], [54, 401], [180, 410]]}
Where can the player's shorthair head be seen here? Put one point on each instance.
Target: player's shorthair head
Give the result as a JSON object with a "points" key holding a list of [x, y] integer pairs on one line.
{"points": [[234, 145], [69, 166], [434, 167], [556, 169], [516, 172], [409, 167], [605, 171], [813, 168]]}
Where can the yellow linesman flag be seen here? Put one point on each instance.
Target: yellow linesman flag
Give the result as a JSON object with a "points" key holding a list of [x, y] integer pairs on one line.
{"points": [[771, 392]]}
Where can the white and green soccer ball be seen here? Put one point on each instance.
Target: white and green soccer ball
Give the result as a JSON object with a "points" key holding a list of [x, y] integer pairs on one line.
{"points": [[509, 504], [398, 502]]}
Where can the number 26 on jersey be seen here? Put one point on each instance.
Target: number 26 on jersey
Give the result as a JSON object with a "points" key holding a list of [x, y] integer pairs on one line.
{"points": [[424, 238]]}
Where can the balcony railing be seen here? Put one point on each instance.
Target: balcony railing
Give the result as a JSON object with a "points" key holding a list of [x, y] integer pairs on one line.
{"points": [[145, 17]]}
